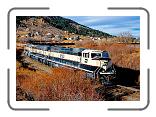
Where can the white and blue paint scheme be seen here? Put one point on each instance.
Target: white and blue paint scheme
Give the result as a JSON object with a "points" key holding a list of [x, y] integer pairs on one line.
{"points": [[95, 62]]}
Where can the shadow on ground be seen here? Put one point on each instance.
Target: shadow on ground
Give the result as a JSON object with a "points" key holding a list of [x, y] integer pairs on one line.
{"points": [[127, 76]]}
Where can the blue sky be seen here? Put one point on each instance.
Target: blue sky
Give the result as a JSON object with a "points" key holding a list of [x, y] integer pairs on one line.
{"points": [[110, 24]]}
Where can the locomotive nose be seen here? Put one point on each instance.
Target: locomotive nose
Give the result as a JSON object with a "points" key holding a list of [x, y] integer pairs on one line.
{"points": [[104, 64]]}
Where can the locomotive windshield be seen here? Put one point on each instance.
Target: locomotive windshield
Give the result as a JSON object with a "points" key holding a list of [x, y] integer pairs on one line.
{"points": [[95, 55], [105, 55]]}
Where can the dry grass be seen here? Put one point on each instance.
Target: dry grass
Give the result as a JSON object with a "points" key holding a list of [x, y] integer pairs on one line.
{"points": [[63, 84]]}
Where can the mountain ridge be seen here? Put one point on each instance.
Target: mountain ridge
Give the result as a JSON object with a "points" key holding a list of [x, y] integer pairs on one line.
{"points": [[66, 24]]}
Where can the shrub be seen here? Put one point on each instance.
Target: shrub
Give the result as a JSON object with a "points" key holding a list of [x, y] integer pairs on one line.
{"points": [[64, 84]]}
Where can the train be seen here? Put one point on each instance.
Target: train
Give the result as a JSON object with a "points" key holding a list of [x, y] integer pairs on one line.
{"points": [[96, 63]]}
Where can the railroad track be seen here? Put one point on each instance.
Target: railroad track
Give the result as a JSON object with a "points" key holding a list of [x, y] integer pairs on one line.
{"points": [[129, 88], [118, 93]]}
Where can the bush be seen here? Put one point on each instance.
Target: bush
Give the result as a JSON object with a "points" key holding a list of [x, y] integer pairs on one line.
{"points": [[63, 84]]}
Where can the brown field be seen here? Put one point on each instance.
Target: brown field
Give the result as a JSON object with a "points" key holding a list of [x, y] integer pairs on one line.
{"points": [[36, 81], [60, 84]]}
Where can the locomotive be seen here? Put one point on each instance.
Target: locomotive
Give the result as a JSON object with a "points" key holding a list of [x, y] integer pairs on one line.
{"points": [[96, 63]]}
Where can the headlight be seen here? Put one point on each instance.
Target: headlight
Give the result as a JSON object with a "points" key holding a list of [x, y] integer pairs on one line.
{"points": [[104, 67]]}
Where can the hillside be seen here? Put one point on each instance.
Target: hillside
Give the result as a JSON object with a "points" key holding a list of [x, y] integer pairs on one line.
{"points": [[63, 24], [74, 27]]}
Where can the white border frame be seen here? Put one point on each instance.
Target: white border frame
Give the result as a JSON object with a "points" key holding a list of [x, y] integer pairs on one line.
{"points": [[81, 105]]}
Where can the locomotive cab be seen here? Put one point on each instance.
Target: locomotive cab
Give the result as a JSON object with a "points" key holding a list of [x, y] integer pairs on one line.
{"points": [[100, 63], [104, 59]]}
